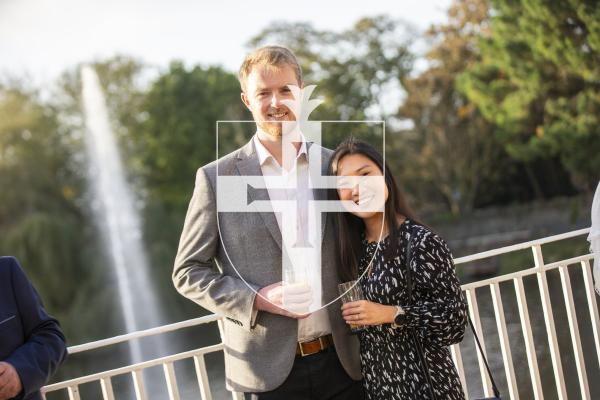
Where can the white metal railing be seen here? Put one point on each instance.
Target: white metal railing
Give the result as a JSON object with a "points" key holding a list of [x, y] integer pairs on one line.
{"points": [[105, 378], [539, 270], [140, 334]]}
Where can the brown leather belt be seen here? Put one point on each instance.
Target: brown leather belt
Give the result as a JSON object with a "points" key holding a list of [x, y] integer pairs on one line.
{"points": [[314, 346]]}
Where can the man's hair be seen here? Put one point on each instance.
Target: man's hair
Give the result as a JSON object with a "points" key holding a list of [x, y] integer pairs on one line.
{"points": [[276, 56]]}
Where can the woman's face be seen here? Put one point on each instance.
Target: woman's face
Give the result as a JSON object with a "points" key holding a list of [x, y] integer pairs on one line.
{"points": [[362, 185]]}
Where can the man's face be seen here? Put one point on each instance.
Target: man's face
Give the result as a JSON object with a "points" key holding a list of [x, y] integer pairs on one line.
{"points": [[266, 87]]}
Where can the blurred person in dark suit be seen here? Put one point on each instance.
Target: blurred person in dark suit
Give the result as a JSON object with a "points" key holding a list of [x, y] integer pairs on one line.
{"points": [[32, 345]]}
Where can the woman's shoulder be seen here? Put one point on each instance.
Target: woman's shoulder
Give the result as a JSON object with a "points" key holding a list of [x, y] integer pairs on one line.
{"points": [[424, 237]]}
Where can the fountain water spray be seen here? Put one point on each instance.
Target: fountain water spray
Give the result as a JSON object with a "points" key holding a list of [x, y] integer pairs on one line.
{"points": [[118, 218]]}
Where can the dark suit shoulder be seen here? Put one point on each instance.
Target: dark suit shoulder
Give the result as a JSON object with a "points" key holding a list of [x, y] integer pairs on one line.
{"points": [[8, 262], [8, 266]]}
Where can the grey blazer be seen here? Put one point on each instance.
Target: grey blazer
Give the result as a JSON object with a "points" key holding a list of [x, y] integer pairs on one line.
{"points": [[257, 358]]}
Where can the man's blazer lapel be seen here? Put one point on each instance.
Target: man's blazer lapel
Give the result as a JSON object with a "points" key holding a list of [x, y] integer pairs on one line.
{"points": [[248, 165]]}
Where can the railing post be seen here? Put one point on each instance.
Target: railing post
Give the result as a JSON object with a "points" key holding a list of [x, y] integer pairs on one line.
{"points": [[457, 358], [534, 371], [202, 376], [138, 385], [509, 367], [549, 320], [73, 392], [574, 330], [590, 293], [171, 381], [474, 310], [221, 329], [107, 389]]}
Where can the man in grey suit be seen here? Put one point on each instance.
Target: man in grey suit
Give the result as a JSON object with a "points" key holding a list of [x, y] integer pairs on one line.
{"points": [[231, 263]]}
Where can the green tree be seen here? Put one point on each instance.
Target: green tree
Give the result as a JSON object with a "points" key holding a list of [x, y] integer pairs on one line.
{"points": [[42, 217], [538, 82], [173, 135], [355, 70], [177, 132], [166, 126], [123, 80], [452, 150]]}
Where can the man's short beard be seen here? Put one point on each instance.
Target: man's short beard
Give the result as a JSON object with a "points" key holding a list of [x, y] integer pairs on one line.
{"points": [[272, 129]]}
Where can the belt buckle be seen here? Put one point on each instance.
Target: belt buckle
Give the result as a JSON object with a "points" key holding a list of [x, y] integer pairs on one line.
{"points": [[302, 354], [322, 345], [319, 339]]}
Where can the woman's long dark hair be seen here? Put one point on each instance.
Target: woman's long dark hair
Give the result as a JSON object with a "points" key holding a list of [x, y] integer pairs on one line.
{"points": [[349, 228]]}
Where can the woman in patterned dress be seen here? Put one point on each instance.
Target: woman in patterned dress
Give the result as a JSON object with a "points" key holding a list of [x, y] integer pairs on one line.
{"points": [[402, 339]]}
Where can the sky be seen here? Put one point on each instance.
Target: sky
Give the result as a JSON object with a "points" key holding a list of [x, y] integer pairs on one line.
{"points": [[41, 38]]}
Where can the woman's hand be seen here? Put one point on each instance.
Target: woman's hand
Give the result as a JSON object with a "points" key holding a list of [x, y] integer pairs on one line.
{"points": [[364, 312]]}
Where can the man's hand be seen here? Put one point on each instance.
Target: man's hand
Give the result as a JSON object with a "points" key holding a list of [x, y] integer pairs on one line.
{"points": [[10, 383], [288, 300], [364, 312]]}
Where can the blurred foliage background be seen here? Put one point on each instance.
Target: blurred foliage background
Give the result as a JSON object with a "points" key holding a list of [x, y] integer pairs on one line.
{"points": [[502, 111]]}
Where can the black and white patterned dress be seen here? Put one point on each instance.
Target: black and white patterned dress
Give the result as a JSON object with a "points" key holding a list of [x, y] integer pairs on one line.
{"points": [[389, 358]]}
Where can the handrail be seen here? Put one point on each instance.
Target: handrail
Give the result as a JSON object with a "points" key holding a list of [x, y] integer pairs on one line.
{"points": [[525, 272], [520, 246], [130, 368], [143, 333]]}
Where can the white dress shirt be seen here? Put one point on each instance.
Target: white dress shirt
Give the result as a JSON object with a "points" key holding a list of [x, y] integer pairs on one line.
{"points": [[317, 324]]}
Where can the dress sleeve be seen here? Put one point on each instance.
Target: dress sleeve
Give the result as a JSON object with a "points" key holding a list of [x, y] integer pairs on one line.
{"points": [[438, 306]]}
